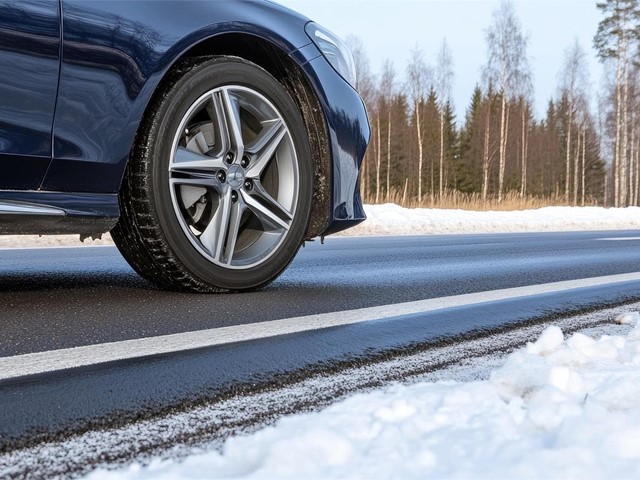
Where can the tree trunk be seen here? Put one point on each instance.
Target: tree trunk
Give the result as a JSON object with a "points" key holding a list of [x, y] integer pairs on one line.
{"points": [[388, 154], [378, 158], [616, 160], [440, 190], [583, 170], [503, 144], [404, 192], [625, 134], [420, 153], [567, 180], [637, 162], [576, 164], [523, 179], [485, 157]]}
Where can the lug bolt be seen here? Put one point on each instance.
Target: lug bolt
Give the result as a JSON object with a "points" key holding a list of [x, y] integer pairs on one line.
{"points": [[221, 176], [248, 185], [229, 158], [234, 196], [244, 163]]}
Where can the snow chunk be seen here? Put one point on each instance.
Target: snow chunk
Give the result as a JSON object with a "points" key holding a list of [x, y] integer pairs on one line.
{"points": [[631, 318], [549, 342]]}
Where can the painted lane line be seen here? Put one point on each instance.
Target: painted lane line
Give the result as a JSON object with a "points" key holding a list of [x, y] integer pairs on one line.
{"points": [[618, 239], [55, 360]]}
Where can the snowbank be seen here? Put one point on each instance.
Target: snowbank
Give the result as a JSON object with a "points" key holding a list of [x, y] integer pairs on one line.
{"points": [[391, 219], [559, 408]]}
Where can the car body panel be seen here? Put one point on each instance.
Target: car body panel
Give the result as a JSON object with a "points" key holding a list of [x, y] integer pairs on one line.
{"points": [[30, 58], [114, 56], [115, 53]]}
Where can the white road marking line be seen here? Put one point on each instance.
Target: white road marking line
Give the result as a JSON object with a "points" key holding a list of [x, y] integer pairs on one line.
{"points": [[618, 239], [55, 360]]}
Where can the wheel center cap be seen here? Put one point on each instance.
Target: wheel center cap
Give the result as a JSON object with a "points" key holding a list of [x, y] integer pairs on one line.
{"points": [[235, 176]]}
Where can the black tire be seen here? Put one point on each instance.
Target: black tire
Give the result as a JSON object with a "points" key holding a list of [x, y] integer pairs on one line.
{"points": [[154, 234]]}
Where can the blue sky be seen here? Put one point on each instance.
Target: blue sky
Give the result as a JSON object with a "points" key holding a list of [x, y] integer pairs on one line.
{"points": [[391, 28]]}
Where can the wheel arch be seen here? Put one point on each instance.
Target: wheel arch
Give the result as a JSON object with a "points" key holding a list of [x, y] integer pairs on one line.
{"points": [[289, 73]]}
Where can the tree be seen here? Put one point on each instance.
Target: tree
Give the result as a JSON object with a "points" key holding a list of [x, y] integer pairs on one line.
{"points": [[574, 81], [525, 121], [507, 70], [387, 89], [617, 40], [418, 79], [443, 83]]}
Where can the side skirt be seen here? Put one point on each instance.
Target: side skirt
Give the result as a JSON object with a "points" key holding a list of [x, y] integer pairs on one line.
{"points": [[57, 213]]}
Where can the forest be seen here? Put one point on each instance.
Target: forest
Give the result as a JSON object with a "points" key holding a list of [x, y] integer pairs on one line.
{"points": [[584, 151]]}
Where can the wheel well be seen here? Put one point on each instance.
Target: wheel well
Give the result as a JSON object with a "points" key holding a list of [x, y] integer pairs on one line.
{"points": [[288, 73]]}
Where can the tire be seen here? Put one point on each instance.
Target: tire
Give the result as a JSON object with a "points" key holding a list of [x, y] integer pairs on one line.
{"points": [[217, 192]]}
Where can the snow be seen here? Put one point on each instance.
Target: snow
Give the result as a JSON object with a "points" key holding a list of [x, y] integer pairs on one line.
{"points": [[557, 408], [632, 319], [391, 219]]}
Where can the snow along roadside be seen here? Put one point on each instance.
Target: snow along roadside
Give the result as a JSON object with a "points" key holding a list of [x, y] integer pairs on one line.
{"points": [[558, 408], [391, 219]]}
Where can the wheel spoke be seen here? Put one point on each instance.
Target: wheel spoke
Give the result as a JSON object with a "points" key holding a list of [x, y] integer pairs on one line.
{"points": [[265, 146], [221, 234], [215, 110], [190, 162], [237, 209], [272, 203], [213, 236], [204, 182], [270, 219], [228, 115]]}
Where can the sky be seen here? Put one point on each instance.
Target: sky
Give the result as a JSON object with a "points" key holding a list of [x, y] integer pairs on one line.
{"points": [[390, 29]]}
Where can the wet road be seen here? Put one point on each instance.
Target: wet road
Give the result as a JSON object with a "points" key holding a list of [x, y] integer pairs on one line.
{"points": [[76, 297]]}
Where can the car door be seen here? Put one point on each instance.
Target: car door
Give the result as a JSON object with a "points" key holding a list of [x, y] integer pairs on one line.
{"points": [[30, 60]]}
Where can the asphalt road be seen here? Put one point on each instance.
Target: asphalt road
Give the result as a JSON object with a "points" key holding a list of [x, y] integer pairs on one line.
{"points": [[60, 298]]}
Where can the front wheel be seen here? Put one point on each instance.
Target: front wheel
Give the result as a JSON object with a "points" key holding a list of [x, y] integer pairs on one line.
{"points": [[217, 193]]}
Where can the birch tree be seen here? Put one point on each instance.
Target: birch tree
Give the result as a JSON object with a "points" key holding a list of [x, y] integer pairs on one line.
{"points": [[574, 82], [443, 80], [507, 70], [616, 40], [418, 77]]}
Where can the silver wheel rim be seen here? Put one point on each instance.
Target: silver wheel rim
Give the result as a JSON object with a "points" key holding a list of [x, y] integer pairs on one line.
{"points": [[233, 177]]}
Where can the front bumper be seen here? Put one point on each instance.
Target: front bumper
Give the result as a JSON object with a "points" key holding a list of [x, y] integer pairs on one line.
{"points": [[348, 133]]}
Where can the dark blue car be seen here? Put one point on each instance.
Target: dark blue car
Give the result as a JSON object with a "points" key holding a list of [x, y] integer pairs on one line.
{"points": [[211, 138]]}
